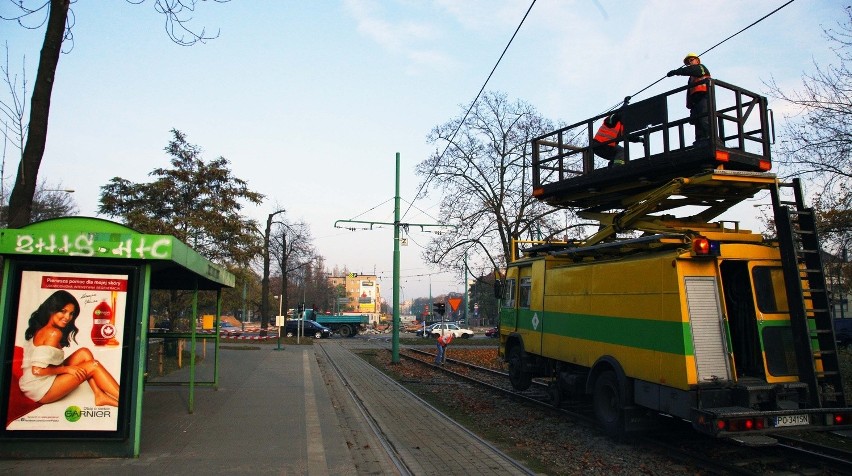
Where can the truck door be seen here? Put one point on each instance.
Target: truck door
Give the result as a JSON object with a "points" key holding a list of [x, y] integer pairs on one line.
{"points": [[530, 318], [508, 303], [759, 320], [773, 322], [742, 318]]}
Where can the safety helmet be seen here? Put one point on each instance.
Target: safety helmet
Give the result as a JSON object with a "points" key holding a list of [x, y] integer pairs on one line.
{"points": [[689, 55]]}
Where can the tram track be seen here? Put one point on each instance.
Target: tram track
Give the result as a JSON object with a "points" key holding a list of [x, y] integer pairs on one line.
{"points": [[498, 381], [400, 448], [679, 441], [385, 442]]}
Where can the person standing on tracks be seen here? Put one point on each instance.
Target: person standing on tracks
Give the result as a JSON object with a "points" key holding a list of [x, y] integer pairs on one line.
{"points": [[442, 341], [696, 95]]}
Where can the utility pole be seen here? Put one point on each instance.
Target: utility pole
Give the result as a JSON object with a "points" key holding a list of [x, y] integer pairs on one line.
{"points": [[264, 287], [396, 225], [464, 312]]}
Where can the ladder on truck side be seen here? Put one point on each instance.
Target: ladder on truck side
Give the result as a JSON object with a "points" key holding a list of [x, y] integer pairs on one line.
{"points": [[807, 297]]}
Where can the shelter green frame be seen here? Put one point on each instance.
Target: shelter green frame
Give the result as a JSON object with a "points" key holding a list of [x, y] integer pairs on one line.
{"points": [[163, 262]]}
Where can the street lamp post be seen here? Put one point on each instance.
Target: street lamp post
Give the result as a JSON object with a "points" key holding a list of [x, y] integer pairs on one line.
{"points": [[277, 321]]}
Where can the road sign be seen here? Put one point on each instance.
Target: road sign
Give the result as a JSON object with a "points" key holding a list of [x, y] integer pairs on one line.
{"points": [[454, 303]]}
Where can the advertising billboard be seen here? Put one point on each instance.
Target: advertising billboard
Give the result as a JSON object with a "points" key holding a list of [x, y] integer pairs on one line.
{"points": [[68, 352], [366, 296]]}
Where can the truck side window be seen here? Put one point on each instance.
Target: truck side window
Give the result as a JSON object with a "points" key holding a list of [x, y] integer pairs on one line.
{"points": [[509, 293], [524, 293], [769, 289]]}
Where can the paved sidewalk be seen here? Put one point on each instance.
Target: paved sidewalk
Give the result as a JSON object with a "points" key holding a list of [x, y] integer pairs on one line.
{"points": [[426, 441], [271, 415], [289, 412]]}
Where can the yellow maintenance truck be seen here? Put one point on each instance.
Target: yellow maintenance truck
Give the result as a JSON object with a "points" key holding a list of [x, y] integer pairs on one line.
{"points": [[664, 310]]}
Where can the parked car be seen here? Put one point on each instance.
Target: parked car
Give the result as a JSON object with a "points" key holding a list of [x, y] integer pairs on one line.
{"points": [[226, 329], [309, 328], [843, 332], [493, 332], [457, 331], [421, 333]]}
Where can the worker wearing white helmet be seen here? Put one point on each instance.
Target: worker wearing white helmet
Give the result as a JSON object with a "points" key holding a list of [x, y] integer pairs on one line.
{"points": [[696, 95]]}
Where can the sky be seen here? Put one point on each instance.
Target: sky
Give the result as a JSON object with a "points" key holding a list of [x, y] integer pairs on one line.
{"points": [[310, 101]]}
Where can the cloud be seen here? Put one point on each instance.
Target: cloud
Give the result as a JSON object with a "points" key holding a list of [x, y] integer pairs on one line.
{"points": [[417, 40]]}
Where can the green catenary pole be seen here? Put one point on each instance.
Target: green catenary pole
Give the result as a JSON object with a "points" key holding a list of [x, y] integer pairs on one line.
{"points": [[192, 347], [395, 339]]}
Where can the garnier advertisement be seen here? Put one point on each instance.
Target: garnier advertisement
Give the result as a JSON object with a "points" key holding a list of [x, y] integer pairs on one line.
{"points": [[67, 356]]}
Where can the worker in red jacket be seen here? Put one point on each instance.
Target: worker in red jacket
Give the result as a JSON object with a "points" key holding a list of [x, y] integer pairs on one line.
{"points": [[442, 342], [696, 95]]}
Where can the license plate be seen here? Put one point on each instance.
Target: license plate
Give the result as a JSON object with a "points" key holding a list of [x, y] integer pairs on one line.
{"points": [[791, 420]]}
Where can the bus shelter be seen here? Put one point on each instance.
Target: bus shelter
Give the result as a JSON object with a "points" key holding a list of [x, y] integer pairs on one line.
{"points": [[74, 315]]}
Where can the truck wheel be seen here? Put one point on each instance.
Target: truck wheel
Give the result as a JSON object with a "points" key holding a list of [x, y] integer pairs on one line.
{"points": [[609, 409], [555, 394], [519, 379], [345, 331]]}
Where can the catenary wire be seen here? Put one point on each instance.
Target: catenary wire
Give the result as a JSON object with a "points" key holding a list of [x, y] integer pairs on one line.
{"points": [[764, 17], [473, 103]]}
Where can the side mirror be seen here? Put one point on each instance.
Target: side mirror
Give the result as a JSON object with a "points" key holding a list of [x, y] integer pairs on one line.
{"points": [[498, 288]]}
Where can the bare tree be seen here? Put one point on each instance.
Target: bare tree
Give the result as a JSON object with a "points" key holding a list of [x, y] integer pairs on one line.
{"points": [[57, 19], [12, 119], [483, 177], [816, 143], [293, 250], [50, 201], [13, 111]]}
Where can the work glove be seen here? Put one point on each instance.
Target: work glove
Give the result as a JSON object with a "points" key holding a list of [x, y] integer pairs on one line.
{"points": [[670, 73]]}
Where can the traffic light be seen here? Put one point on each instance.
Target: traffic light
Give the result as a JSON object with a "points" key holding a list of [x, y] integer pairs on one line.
{"points": [[439, 308]]}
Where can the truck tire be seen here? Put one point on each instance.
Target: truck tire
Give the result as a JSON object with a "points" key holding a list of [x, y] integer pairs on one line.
{"points": [[345, 331], [520, 379], [607, 401]]}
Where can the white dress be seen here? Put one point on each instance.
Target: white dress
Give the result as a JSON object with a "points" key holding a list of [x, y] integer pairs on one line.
{"points": [[36, 386]]}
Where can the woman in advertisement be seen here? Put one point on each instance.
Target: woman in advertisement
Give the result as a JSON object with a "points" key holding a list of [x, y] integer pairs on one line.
{"points": [[49, 376]]}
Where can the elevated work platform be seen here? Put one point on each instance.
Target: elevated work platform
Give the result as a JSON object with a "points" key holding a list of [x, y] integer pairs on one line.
{"points": [[711, 193], [566, 173]]}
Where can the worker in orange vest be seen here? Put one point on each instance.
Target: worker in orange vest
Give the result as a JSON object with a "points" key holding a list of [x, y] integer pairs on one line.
{"points": [[442, 341], [696, 95], [605, 142]]}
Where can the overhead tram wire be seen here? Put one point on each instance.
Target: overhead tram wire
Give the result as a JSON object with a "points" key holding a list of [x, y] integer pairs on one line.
{"points": [[472, 103], [764, 17], [371, 209], [411, 205]]}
